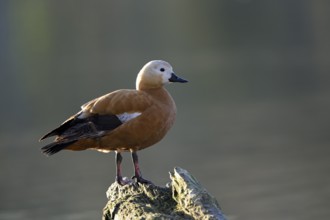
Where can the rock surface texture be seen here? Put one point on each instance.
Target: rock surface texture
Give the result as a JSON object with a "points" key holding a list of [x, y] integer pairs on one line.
{"points": [[184, 198]]}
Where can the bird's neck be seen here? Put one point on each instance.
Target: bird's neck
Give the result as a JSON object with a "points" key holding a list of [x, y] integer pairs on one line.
{"points": [[160, 94]]}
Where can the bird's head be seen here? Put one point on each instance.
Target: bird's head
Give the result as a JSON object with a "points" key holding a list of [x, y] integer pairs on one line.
{"points": [[155, 74]]}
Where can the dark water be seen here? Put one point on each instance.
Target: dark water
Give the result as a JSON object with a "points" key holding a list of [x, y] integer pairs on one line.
{"points": [[262, 160]]}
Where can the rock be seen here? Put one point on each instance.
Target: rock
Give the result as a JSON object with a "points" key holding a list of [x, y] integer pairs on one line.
{"points": [[184, 198]]}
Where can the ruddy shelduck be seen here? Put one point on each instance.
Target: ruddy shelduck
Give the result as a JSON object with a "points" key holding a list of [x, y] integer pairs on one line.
{"points": [[123, 120]]}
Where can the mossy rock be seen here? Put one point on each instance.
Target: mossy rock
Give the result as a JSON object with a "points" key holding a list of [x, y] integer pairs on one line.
{"points": [[184, 198]]}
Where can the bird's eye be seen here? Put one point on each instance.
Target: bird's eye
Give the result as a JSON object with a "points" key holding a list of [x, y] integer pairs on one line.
{"points": [[162, 69]]}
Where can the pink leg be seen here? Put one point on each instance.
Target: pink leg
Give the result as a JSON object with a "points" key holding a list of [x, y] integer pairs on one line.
{"points": [[119, 177], [137, 172]]}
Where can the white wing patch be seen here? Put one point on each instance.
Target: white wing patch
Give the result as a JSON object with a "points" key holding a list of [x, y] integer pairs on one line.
{"points": [[128, 116]]}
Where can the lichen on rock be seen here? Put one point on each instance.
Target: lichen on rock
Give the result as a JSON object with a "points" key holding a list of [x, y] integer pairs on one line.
{"points": [[184, 198]]}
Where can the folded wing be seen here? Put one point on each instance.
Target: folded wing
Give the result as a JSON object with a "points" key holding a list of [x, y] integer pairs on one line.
{"points": [[98, 116]]}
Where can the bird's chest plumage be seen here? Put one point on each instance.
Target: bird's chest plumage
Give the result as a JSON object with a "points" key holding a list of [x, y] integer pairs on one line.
{"points": [[159, 122], [148, 128]]}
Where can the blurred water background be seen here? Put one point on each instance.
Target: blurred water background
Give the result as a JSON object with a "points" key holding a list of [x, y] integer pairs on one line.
{"points": [[253, 122]]}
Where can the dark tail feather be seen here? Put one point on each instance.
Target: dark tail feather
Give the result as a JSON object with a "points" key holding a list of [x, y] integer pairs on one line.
{"points": [[52, 133], [59, 130], [55, 147]]}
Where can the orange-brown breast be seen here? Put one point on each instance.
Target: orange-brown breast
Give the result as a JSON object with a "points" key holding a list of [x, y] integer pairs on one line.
{"points": [[145, 130], [157, 110]]}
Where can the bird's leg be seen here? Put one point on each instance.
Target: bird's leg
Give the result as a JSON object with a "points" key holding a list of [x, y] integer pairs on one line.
{"points": [[137, 172], [119, 177]]}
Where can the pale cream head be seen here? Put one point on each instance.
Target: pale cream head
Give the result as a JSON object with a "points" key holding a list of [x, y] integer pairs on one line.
{"points": [[154, 74]]}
